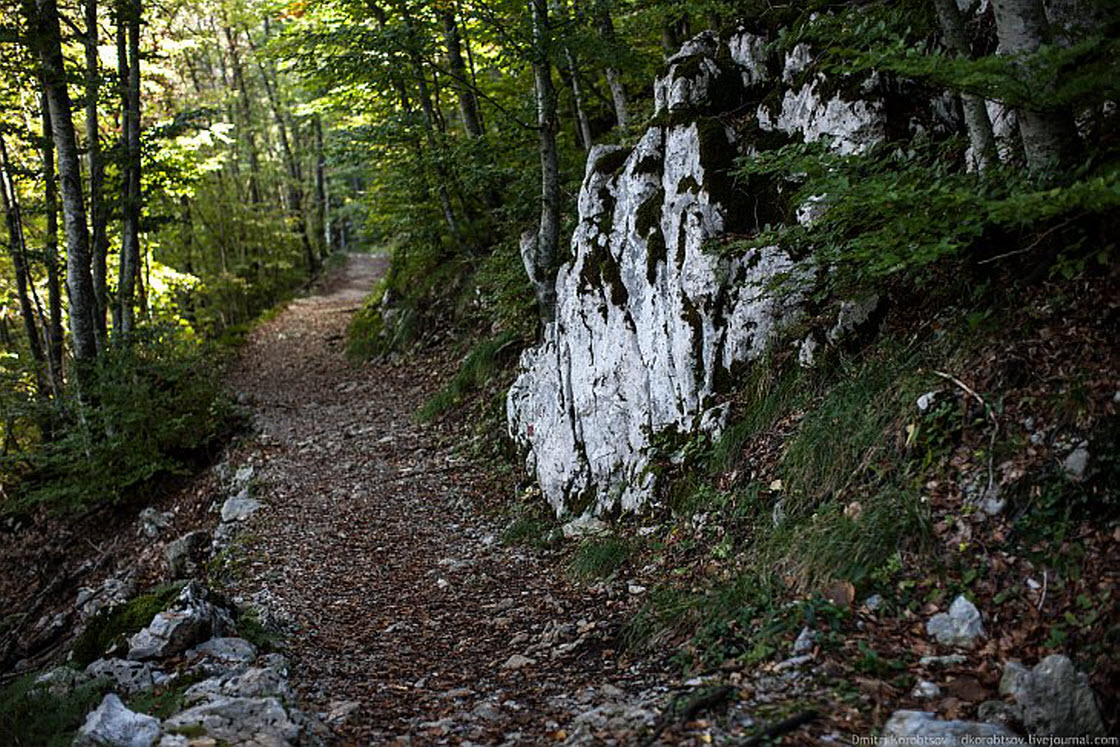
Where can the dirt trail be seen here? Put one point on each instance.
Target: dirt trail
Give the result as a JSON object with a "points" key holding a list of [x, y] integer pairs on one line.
{"points": [[400, 597]]}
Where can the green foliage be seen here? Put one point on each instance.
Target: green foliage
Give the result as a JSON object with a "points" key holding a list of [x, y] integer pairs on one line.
{"points": [[150, 408], [164, 701], [476, 370], [250, 627], [30, 717], [890, 212], [115, 625]]}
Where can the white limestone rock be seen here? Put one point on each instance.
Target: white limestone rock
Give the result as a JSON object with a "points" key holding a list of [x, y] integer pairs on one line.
{"points": [[255, 721], [114, 725], [189, 620], [959, 627], [127, 676]]}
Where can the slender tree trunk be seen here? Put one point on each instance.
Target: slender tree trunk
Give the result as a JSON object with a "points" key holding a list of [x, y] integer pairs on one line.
{"points": [[50, 253], [19, 267], [128, 68], [79, 281], [245, 106], [468, 102], [99, 215], [976, 119], [321, 187], [614, 75], [295, 176], [539, 252], [1050, 138]]}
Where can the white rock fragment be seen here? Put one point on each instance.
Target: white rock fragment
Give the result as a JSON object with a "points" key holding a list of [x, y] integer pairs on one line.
{"points": [[960, 627]]}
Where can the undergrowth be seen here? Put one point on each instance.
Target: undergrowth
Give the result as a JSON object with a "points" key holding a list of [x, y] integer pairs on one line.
{"points": [[31, 717]]}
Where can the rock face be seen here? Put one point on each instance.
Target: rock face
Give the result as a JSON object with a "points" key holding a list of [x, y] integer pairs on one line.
{"points": [[648, 324], [113, 725]]}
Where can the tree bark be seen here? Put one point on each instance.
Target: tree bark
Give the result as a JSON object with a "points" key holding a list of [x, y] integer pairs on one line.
{"points": [[1050, 137], [79, 281], [539, 252], [99, 215], [321, 187], [246, 109], [614, 75], [50, 253], [295, 176], [976, 119], [468, 102], [128, 66]]}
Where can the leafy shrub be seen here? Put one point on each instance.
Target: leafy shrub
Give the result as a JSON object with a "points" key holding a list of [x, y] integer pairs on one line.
{"points": [[481, 363], [148, 409]]}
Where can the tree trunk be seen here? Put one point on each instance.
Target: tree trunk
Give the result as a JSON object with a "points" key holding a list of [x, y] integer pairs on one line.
{"points": [[321, 187], [99, 215], [50, 253], [468, 102], [539, 252], [128, 67], [976, 119], [614, 75], [244, 105], [295, 176], [1049, 136], [79, 282], [19, 267]]}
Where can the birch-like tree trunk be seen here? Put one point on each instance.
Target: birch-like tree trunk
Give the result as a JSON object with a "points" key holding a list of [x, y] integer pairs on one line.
{"points": [[50, 252], [1050, 138], [976, 120], [98, 212], [79, 281], [614, 75], [321, 187], [128, 68]]}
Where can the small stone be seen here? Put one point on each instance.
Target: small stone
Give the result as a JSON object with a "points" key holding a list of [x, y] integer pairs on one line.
{"points": [[178, 555], [226, 650], [960, 627], [1077, 462], [952, 660], [924, 690], [585, 526], [873, 602], [153, 522], [805, 641], [517, 661], [239, 507], [340, 710], [114, 724], [636, 589]]}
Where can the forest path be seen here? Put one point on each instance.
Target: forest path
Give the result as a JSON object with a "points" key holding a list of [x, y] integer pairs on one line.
{"points": [[400, 596]]}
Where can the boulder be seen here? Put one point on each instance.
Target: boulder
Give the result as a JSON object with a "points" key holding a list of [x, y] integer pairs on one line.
{"points": [[959, 627], [256, 721], [114, 725], [1053, 698], [153, 522], [178, 555], [191, 618], [60, 681], [126, 676], [922, 727]]}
